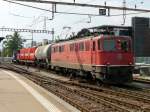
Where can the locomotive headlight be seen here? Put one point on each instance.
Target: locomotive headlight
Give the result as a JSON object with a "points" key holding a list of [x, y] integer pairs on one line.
{"points": [[130, 63], [107, 63], [118, 41]]}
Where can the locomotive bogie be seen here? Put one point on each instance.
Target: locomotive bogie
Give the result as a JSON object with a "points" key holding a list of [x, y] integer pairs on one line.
{"points": [[114, 74]]}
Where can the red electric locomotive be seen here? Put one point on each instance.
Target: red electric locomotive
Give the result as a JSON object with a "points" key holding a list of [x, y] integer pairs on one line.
{"points": [[104, 54], [26, 55]]}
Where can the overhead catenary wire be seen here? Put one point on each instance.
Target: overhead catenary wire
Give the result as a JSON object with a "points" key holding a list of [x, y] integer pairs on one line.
{"points": [[71, 13], [75, 8], [55, 14], [82, 5], [17, 15], [133, 2], [66, 12], [69, 10], [98, 15]]}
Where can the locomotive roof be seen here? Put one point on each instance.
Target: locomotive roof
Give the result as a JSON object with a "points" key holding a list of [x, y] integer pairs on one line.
{"points": [[74, 39], [99, 30], [88, 37], [111, 27]]}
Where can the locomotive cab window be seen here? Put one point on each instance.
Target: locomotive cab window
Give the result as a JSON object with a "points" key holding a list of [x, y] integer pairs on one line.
{"points": [[124, 45], [109, 45]]}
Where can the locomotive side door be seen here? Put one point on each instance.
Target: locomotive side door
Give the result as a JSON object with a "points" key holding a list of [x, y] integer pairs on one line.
{"points": [[93, 53]]}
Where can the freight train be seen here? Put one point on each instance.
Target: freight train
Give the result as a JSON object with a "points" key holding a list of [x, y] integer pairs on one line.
{"points": [[100, 53]]}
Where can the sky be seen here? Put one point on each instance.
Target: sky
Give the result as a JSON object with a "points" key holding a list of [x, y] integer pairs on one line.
{"points": [[16, 16]]}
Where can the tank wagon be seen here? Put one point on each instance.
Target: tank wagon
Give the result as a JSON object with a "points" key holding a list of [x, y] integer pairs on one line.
{"points": [[43, 55], [101, 54]]}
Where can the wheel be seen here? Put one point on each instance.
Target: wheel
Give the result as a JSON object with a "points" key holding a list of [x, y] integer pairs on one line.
{"points": [[99, 82]]}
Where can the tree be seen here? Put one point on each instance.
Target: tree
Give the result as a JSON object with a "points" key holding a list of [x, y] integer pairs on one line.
{"points": [[12, 44]]}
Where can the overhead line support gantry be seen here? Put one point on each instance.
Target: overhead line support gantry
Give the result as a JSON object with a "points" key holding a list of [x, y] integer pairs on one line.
{"points": [[85, 5]]}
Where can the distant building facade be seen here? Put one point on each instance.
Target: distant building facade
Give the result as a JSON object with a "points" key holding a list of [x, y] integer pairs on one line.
{"points": [[141, 39]]}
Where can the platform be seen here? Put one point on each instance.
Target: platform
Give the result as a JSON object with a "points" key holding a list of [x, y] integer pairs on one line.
{"points": [[18, 94]]}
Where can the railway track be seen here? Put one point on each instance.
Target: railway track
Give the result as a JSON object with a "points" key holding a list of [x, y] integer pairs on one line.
{"points": [[89, 98], [84, 102], [146, 81], [136, 95]]}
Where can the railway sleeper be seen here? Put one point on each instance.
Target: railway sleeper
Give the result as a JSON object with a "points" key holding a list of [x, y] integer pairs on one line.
{"points": [[118, 101], [144, 107]]}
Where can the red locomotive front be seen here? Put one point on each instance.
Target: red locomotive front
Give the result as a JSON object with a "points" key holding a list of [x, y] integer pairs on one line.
{"points": [[113, 59], [21, 54], [26, 54]]}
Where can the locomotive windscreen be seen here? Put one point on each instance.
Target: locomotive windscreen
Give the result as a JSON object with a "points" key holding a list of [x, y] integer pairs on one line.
{"points": [[109, 45]]}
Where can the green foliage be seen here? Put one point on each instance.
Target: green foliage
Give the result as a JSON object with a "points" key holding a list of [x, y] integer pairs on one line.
{"points": [[12, 44]]}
